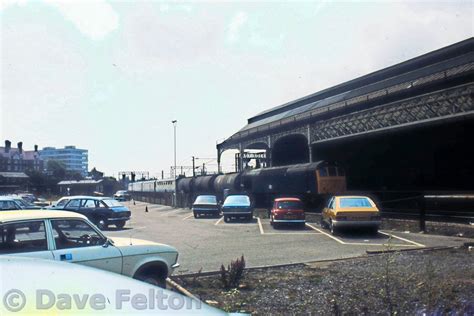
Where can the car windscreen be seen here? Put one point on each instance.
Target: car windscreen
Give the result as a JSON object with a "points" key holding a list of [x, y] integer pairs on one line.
{"points": [[121, 192], [242, 200], [290, 205], [111, 203], [206, 199], [354, 202]]}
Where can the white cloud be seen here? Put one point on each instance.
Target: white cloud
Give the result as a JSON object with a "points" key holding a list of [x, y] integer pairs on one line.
{"points": [[94, 19], [7, 3], [235, 25]]}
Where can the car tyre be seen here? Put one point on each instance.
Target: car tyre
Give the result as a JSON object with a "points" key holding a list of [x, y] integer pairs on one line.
{"points": [[154, 280], [102, 223], [226, 218], [322, 223], [332, 228], [34, 227], [120, 224], [271, 220], [196, 215]]}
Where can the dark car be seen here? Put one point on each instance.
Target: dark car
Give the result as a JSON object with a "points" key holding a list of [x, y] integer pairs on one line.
{"points": [[102, 211], [237, 206], [206, 204]]}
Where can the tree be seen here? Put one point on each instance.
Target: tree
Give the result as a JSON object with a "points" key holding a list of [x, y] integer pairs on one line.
{"points": [[56, 169]]}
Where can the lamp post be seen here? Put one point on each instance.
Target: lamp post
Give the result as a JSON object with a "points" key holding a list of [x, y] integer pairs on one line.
{"points": [[174, 122]]}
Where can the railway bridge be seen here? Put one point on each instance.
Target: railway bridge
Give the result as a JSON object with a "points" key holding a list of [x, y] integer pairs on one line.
{"points": [[410, 125]]}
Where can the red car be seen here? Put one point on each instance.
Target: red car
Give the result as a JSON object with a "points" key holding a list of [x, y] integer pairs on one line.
{"points": [[287, 211]]}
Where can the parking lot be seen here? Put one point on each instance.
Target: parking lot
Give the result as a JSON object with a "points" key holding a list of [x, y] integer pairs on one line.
{"points": [[206, 243]]}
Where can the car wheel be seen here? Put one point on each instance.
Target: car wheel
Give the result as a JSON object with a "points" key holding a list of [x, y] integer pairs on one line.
{"points": [[226, 218], [156, 280], [374, 231], [302, 225], [332, 228], [102, 223], [196, 215], [34, 227], [271, 220], [120, 224], [322, 223]]}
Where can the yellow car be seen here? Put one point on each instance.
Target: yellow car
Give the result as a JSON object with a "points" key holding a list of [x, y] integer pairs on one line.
{"points": [[350, 211]]}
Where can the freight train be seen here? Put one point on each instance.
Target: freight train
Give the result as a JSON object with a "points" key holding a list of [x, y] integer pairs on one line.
{"points": [[312, 182]]}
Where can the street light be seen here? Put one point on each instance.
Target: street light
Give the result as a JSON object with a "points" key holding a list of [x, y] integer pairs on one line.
{"points": [[174, 122]]}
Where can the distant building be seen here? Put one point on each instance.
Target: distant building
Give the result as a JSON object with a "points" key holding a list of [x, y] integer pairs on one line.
{"points": [[105, 186], [74, 159], [19, 160]]}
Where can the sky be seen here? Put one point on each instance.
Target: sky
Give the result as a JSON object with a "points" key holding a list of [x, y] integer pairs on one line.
{"points": [[110, 76]]}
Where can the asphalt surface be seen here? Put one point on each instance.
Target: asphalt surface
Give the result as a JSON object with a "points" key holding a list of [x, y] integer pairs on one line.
{"points": [[206, 243]]}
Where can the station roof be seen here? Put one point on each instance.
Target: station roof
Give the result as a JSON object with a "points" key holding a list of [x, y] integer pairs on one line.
{"points": [[436, 61]]}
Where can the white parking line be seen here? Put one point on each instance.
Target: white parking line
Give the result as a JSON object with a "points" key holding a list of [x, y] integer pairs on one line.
{"points": [[260, 226], [220, 219], [414, 244], [324, 233], [188, 216], [406, 240], [165, 213], [262, 231]]}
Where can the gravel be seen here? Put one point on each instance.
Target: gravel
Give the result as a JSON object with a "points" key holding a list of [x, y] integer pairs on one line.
{"points": [[401, 283]]}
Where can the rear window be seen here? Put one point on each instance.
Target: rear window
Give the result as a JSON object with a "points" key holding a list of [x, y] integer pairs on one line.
{"points": [[237, 200], [290, 205], [354, 202], [206, 199], [111, 203]]}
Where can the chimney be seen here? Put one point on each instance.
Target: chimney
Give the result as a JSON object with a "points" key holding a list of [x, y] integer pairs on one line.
{"points": [[20, 147], [8, 145], [36, 148]]}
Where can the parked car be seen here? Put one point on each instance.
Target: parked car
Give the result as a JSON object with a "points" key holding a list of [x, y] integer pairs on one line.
{"points": [[237, 206], [29, 197], [7, 203], [287, 211], [351, 211], [122, 195], [41, 202], [102, 211], [62, 201], [90, 292], [206, 204], [25, 205], [71, 237]]}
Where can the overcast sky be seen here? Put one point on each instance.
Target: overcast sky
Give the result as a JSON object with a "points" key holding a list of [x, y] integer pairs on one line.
{"points": [[110, 76]]}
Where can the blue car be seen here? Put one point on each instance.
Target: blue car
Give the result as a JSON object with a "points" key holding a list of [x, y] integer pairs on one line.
{"points": [[237, 206], [206, 205], [102, 211]]}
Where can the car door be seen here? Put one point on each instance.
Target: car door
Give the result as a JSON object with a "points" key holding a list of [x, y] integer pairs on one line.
{"points": [[73, 205], [327, 210], [75, 240], [25, 239], [87, 208]]}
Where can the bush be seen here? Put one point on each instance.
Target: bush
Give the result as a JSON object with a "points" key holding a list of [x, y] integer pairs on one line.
{"points": [[232, 276]]}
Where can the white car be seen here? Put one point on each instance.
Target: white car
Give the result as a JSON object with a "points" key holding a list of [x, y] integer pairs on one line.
{"points": [[43, 287], [71, 237]]}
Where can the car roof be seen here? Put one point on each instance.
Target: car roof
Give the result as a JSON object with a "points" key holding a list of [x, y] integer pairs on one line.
{"points": [[287, 199], [88, 197], [20, 215], [6, 198], [352, 196]]}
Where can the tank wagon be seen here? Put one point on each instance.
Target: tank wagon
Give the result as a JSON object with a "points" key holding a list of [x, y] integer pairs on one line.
{"points": [[311, 182]]}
